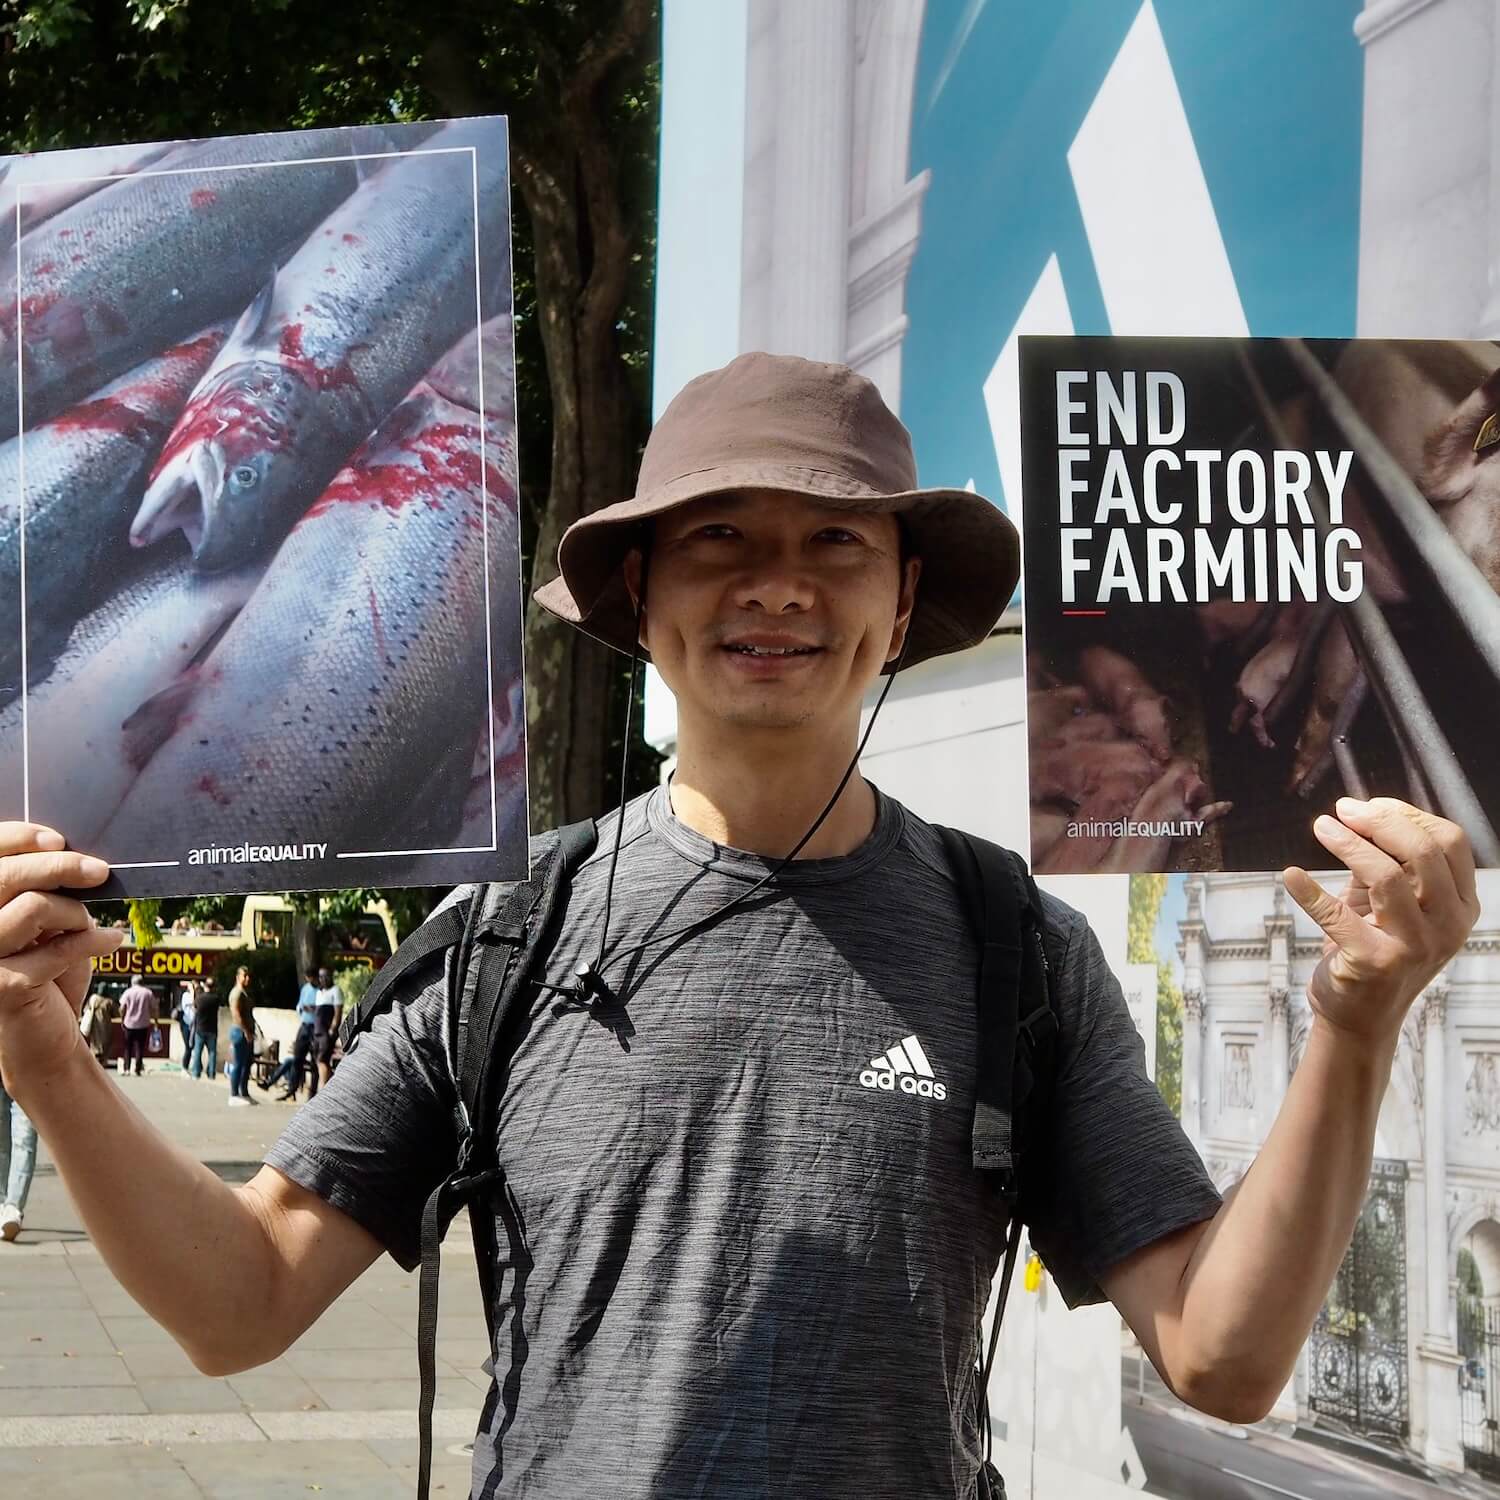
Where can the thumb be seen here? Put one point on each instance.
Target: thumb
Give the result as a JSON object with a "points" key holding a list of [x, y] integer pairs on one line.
{"points": [[1344, 926]]}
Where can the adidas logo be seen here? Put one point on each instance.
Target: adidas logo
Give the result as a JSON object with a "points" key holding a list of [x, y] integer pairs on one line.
{"points": [[908, 1062]]}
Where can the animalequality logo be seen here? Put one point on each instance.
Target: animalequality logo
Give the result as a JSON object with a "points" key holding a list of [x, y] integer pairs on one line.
{"points": [[908, 1062]]}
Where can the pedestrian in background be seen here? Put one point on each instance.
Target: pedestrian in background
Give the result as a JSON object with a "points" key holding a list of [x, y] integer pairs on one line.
{"points": [[137, 1014], [241, 1035], [206, 1033], [187, 1008], [290, 1071], [17, 1163], [325, 1028]]}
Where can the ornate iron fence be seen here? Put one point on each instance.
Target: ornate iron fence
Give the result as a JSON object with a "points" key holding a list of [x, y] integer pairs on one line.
{"points": [[1357, 1354]]}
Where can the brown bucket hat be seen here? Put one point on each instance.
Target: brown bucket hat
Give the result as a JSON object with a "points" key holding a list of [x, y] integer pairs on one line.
{"points": [[775, 422]]}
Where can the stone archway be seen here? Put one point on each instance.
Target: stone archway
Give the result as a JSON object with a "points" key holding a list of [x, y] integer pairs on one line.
{"points": [[1475, 1266]]}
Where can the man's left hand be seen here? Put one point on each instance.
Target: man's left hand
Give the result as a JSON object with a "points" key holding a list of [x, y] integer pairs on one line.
{"points": [[1409, 904]]}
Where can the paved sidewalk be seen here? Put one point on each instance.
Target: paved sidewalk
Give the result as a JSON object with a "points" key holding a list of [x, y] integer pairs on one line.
{"points": [[96, 1400]]}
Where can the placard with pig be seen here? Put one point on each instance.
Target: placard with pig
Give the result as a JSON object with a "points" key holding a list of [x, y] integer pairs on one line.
{"points": [[1260, 574], [258, 509]]}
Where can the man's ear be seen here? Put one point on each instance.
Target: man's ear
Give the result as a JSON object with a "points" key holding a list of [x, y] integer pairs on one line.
{"points": [[631, 568], [911, 571]]}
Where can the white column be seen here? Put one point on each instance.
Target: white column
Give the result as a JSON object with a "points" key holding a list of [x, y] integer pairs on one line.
{"points": [[1192, 1066], [1194, 938], [810, 244], [1278, 990], [1489, 318], [1437, 1351], [1280, 1048]]}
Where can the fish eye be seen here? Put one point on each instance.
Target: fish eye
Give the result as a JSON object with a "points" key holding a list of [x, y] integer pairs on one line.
{"points": [[243, 476]]}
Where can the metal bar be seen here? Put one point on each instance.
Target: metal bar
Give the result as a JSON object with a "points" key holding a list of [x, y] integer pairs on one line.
{"points": [[1475, 602], [1343, 758], [1411, 717]]}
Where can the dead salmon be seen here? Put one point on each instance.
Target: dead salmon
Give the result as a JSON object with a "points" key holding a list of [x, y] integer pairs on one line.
{"points": [[44, 183], [146, 260], [80, 477], [110, 699], [344, 331], [318, 716]]}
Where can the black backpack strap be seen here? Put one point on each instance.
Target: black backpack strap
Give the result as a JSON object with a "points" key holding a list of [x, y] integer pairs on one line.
{"points": [[505, 930], [989, 894], [1017, 1026], [436, 935]]}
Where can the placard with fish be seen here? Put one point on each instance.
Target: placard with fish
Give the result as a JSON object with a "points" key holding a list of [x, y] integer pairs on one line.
{"points": [[259, 547], [1260, 574]]}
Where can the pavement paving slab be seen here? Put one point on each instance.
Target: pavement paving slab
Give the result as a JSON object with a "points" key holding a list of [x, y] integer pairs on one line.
{"points": [[97, 1399]]}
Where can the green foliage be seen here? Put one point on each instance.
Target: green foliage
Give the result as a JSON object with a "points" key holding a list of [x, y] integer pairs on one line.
{"points": [[225, 910], [1470, 1306], [273, 975], [1168, 1037], [1146, 893], [143, 916], [352, 983]]}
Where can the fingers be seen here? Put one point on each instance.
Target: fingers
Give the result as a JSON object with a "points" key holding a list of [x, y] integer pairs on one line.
{"points": [[1343, 926], [33, 916], [22, 871], [51, 960], [1391, 895], [22, 838], [1417, 840]]}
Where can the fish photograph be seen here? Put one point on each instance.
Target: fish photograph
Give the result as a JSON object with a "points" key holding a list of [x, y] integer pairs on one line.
{"points": [[259, 542], [1260, 574]]}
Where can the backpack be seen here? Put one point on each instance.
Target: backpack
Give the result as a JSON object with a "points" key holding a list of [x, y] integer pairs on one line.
{"points": [[502, 934]]}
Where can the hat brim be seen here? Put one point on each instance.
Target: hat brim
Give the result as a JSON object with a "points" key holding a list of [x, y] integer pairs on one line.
{"points": [[970, 551]]}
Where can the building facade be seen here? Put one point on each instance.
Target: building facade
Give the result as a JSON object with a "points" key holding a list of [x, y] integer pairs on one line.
{"points": [[1387, 1359]]}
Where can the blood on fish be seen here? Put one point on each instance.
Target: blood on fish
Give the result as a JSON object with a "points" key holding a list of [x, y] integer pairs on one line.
{"points": [[203, 197], [45, 268], [351, 239], [445, 459], [111, 414], [236, 422], [323, 377], [209, 784], [46, 317]]}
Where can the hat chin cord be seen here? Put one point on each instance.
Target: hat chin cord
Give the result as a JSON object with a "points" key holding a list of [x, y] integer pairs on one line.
{"points": [[590, 988]]}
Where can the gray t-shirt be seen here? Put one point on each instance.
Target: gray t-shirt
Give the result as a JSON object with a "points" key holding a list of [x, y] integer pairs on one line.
{"points": [[744, 1251]]}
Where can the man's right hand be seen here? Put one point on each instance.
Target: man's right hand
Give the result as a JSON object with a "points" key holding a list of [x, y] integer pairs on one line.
{"points": [[46, 944]]}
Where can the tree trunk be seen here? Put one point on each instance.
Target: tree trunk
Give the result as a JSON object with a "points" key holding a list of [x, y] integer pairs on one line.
{"points": [[567, 172], [567, 175], [305, 933]]}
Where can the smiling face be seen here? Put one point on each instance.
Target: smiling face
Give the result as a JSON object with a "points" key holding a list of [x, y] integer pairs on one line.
{"points": [[773, 611]]}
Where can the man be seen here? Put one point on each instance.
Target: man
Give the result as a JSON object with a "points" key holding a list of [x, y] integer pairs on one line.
{"points": [[17, 1163], [729, 1269], [137, 1013], [206, 1033], [289, 1071], [241, 1039], [325, 1026], [187, 1008]]}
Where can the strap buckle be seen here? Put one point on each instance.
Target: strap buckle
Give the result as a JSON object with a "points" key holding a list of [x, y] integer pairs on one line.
{"points": [[1040, 1026]]}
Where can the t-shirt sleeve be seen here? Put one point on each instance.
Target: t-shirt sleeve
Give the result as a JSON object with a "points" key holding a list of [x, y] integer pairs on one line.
{"points": [[380, 1135], [1108, 1169]]}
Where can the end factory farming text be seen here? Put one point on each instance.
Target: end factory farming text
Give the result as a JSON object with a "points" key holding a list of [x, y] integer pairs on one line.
{"points": [[259, 559], [1260, 573]]}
